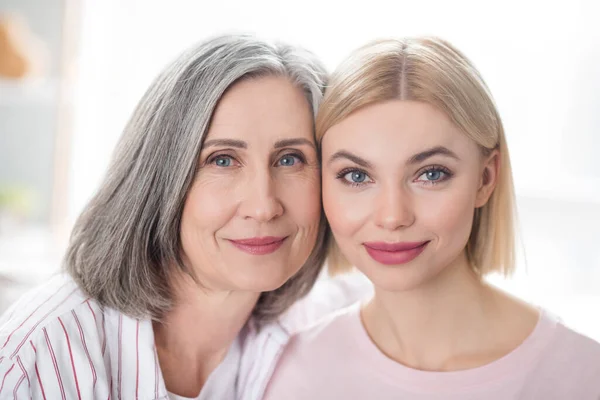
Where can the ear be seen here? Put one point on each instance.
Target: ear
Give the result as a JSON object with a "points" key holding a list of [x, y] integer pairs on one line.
{"points": [[488, 178]]}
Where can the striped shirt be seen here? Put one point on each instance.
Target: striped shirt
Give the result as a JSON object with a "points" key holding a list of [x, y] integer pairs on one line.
{"points": [[56, 343]]}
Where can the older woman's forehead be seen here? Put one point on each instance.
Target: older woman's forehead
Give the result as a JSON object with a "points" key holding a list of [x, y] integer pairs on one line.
{"points": [[265, 107]]}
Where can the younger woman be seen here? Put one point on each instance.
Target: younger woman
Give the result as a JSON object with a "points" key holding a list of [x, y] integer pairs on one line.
{"points": [[418, 190]]}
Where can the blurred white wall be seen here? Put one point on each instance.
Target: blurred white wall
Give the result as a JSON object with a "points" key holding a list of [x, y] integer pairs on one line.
{"points": [[28, 107], [541, 60]]}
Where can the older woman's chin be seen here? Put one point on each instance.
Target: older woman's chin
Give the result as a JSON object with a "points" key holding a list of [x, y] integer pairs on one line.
{"points": [[262, 279]]}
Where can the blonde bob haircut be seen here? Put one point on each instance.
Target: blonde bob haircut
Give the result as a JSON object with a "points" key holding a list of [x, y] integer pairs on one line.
{"points": [[430, 70]]}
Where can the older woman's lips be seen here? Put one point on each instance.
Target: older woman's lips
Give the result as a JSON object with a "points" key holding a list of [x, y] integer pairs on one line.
{"points": [[394, 253], [259, 245]]}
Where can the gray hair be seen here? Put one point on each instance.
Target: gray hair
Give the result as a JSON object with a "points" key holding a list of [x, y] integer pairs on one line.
{"points": [[126, 246]]}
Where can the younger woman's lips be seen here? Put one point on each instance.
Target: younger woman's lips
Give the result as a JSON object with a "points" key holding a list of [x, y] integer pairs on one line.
{"points": [[394, 253]]}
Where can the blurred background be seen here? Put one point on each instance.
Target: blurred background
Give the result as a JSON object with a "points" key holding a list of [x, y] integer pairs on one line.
{"points": [[71, 72]]}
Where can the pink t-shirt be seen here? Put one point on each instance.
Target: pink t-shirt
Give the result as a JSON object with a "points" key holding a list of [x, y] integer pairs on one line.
{"points": [[336, 359]]}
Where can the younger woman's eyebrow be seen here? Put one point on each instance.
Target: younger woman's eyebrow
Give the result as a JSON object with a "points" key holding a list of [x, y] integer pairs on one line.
{"points": [[434, 151], [343, 154], [415, 159]]}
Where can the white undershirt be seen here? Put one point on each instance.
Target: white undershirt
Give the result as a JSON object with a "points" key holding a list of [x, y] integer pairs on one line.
{"points": [[221, 383]]}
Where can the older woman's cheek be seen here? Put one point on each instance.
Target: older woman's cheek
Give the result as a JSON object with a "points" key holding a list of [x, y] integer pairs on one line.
{"points": [[303, 203], [213, 198]]}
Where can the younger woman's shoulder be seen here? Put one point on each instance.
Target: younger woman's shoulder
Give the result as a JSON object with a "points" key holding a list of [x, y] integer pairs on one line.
{"points": [[568, 365], [574, 345]]}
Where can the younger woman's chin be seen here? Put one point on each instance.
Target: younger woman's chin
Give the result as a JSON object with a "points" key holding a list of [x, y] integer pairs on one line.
{"points": [[397, 278]]}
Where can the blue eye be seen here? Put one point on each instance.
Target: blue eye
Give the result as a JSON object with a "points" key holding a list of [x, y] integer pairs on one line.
{"points": [[356, 177], [222, 161], [434, 175], [288, 160]]}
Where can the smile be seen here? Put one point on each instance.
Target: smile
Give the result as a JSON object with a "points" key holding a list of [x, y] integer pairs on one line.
{"points": [[259, 245], [394, 253]]}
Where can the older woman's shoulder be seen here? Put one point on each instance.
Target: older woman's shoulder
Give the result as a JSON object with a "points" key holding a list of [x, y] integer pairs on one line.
{"points": [[55, 341], [59, 302]]}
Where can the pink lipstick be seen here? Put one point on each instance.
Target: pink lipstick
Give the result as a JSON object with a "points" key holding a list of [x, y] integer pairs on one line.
{"points": [[394, 253], [259, 245]]}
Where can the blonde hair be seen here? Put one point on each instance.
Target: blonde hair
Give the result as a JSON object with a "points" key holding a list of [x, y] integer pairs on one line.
{"points": [[430, 70]]}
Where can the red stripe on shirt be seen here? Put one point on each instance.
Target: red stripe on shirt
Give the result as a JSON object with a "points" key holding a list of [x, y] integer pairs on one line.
{"points": [[85, 346], [93, 313], [37, 372], [21, 379], [103, 334], [56, 370], [71, 356], [5, 375], [23, 369]]}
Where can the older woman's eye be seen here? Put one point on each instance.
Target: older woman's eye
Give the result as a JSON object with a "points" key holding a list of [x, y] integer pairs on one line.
{"points": [[289, 160], [222, 161]]}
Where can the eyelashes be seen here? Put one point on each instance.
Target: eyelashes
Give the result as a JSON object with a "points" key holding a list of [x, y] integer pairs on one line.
{"points": [[354, 177], [431, 175], [290, 156], [221, 160], [226, 160], [434, 175]]}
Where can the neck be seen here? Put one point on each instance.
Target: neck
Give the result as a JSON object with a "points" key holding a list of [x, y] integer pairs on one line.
{"points": [[194, 336], [455, 321]]}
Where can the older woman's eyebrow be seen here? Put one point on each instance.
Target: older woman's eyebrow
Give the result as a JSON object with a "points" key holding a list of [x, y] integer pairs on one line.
{"points": [[294, 142], [226, 143], [343, 154], [434, 151]]}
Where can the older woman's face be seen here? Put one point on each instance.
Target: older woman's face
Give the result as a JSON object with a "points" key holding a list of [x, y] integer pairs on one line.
{"points": [[252, 215]]}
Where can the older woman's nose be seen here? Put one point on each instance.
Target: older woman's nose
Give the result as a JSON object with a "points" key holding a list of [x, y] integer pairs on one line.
{"points": [[260, 199]]}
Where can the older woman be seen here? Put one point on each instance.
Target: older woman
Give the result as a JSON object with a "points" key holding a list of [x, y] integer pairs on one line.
{"points": [[207, 227]]}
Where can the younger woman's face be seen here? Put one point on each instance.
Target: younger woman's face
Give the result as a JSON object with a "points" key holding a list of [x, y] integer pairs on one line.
{"points": [[400, 186]]}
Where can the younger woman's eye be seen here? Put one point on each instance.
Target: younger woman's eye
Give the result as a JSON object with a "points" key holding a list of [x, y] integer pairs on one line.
{"points": [[434, 175], [354, 177]]}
